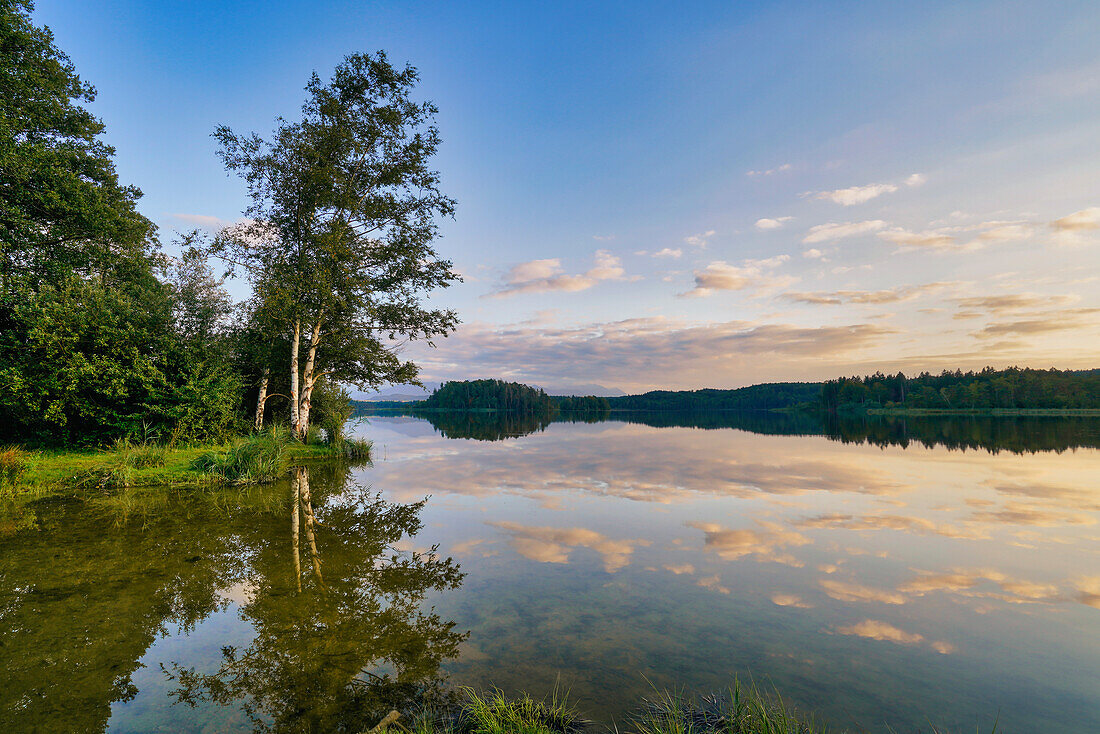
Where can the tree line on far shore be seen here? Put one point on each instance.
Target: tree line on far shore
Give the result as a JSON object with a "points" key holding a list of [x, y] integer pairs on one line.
{"points": [[1009, 389]]}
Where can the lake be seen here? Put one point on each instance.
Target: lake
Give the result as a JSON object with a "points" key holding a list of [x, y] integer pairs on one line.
{"points": [[881, 573]]}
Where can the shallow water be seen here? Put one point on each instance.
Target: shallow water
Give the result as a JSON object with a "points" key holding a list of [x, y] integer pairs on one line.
{"points": [[887, 583]]}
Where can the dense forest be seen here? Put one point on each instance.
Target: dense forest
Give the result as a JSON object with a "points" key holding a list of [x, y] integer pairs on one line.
{"points": [[499, 395], [767, 396], [105, 336], [1009, 389]]}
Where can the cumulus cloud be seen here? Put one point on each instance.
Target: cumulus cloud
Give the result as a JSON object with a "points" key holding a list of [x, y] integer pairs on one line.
{"points": [[752, 275], [669, 252], [915, 179], [918, 240], [554, 545], [770, 171], [983, 583], [772, 223], [875, 630], [841, 230], [714, 583], [813, 254], [1084, 220], [856, 194], [542, 276], [699, 240]]}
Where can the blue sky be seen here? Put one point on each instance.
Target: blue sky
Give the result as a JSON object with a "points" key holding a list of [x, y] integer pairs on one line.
{"points": [[655, 195]]}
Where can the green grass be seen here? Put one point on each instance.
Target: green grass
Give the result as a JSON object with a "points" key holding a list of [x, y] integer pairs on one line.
{"points": [[28, 475], [256, 459], [739, 710]]}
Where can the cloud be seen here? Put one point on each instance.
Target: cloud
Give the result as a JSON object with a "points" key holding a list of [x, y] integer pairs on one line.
{"points": [[1082, 221], [890, 295], [813, 254], [554, 545], [639, 350], [917, 240], [1088, 590], [875, 630], [749, 275], [1011, 302], [712, 582], [770, 171], [603, 237], [762, 543], [856, 194], [844, 591], [982, 583], [699, 240], [543, 276], [1044, 323], [669, 252], [915, 179], [772, 223], [839, 230], [790, 600], [683, 568], [944, 648]]}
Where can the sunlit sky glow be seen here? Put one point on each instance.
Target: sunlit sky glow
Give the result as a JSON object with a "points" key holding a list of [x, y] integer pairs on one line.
{"points": [[653, 195]]}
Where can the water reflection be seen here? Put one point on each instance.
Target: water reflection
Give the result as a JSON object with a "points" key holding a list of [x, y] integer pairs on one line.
{"points": [[1012, 434], [330, 628]]}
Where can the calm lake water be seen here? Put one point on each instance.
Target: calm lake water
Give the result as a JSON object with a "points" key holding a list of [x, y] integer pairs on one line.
{"points": [[887, 574]]}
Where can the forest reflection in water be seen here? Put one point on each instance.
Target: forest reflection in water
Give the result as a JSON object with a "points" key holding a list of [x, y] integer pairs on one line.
{"points": [[331, 627], [1017, 434]]}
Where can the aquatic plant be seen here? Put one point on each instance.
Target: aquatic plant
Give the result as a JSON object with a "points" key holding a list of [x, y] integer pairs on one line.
{"points": [[494, 713], [14, 463], [737, 711], [261, 457]]}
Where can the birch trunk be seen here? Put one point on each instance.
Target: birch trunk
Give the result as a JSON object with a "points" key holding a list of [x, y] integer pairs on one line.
{"points": [[262, 398], [295, 511], [308, 380], [295, 341], [310, 522]]}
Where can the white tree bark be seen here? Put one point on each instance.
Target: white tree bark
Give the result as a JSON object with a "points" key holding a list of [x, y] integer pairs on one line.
{"points": [[262, 398], [308, 380], [295, 510], [295, 341], [310, 522]]}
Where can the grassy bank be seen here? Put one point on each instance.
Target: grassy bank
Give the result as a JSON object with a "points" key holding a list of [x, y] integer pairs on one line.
{"points": [[738, 710], [255, 459]]}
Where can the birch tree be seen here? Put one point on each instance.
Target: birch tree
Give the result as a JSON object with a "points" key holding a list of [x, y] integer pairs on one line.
{"points": [[339, 234]]}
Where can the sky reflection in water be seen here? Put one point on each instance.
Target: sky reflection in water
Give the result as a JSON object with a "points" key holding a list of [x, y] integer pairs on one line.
{"points": [[877, 585]]}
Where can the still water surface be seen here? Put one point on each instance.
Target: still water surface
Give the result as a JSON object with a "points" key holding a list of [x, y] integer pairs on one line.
{"points": [[888, 575]]}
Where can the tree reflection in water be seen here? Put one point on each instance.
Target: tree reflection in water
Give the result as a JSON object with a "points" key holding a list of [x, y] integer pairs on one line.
{"points": [[342, 628], [340, 639]]}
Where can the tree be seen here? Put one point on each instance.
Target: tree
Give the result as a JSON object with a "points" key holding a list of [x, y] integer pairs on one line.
{"points": [[338, 237], [62, 208]]}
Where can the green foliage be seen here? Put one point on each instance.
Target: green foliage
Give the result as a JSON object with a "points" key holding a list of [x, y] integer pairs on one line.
{"points": [[257, 459], [331, 409], [62, 208], [767, 396], [353, 449], [1009, 389], [488, 395]]}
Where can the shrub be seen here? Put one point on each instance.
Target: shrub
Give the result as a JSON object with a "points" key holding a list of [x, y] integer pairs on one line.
{"points": [[14, 463]]}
